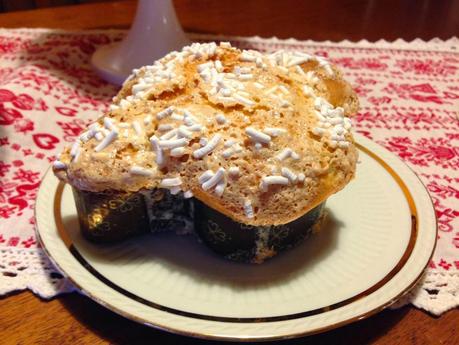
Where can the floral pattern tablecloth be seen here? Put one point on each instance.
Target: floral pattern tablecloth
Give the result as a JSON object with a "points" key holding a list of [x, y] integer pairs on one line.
{"points": [[48, 93]]}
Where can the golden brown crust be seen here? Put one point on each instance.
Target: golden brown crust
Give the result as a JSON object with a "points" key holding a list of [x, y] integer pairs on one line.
{"points": [[274, 98]]}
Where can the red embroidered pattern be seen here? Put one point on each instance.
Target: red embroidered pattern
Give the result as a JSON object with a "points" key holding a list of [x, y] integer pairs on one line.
{"points": [[49, 93]]}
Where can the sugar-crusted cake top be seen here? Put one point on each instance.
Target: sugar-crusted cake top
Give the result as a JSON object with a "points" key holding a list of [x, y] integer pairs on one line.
{"points": [[262, 138]]}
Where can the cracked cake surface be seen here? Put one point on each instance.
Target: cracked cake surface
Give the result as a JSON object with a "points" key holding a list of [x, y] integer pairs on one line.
{"points": [[262, 138]]}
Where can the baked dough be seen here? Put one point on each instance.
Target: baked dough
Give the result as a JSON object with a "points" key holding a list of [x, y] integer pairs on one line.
{"points": [[262, 138]]}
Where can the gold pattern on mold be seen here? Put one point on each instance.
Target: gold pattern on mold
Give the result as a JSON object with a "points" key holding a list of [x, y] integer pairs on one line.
{"points": [[217, 235]]}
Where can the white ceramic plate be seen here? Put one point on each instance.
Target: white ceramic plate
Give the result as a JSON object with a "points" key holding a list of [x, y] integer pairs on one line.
{"points": [[380, 236]]}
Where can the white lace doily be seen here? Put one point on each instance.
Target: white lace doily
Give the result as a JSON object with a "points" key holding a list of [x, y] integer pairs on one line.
{"points": [[411, 87], [31, 269]]}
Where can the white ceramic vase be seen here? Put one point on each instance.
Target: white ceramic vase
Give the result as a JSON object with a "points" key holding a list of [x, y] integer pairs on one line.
{"points": [[154, 32]]}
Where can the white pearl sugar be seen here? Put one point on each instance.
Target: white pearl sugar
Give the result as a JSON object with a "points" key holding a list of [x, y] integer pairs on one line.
{"points": [[332, 122]]}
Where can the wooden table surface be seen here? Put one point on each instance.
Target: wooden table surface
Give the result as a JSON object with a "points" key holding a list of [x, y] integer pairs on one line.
{"points": [[74, 319]]}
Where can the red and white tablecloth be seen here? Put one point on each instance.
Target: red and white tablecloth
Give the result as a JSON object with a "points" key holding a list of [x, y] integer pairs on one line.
{"points": [[409, 103]]}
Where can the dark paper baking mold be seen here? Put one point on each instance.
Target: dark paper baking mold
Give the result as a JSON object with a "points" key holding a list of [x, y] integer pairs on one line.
{"points": [[246, 243], [112, 216]]}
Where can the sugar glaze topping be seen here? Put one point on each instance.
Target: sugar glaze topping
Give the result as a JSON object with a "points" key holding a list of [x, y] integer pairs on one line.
{"points": [[175, 132]]}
